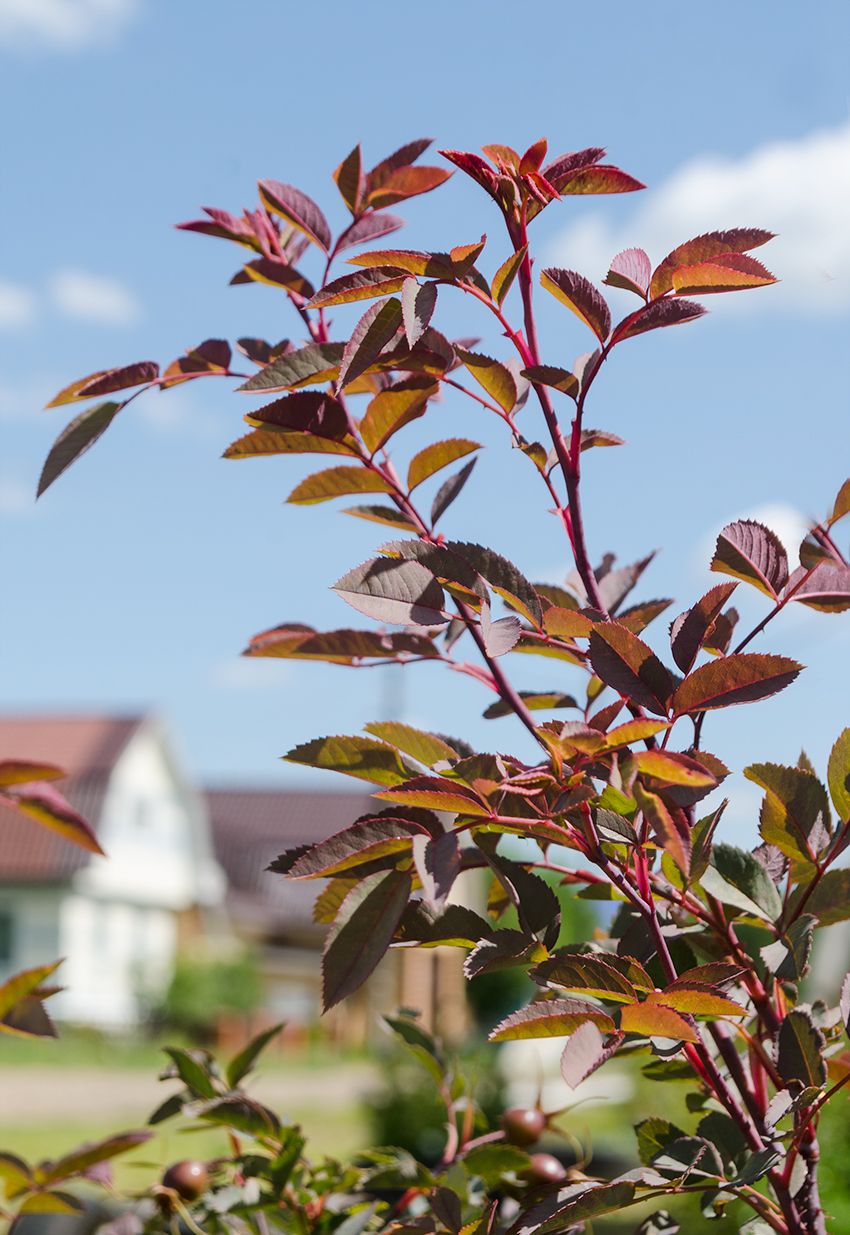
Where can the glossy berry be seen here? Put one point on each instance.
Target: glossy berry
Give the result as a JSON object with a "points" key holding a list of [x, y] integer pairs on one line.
{"points": [[544, 1169], [189, 1179], [524, 1125]]}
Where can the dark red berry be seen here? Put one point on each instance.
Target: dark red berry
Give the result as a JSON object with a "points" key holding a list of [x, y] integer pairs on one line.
{"points": [[524, 1125], [189, 1179], [544, 1169]]}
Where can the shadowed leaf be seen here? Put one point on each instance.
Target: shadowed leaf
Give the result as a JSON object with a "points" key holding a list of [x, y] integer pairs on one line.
{"points": [[278, 274], [656, 315], [436, 793], [653, 1135], [584, 1052], [371, 334], [362, 285], [795, 814], [307, 411], [279, 442], [579, 295], [351, 181], [565, 1211], [737, 878], [449, 490], [743, 677], [401, 592], [550, 1019], [558, 379], [298, 209], [343, 647], [841, 506], [438, 863], [369, 227], [387, 515], [830, 899], [309, 366], [788, 958], [355, 756], [752, 552], [53, 1202], [689, 630], [631, 270], [630, 667], [87, 1155], [534, 701], [362, 842], [362, 932], [504, 578], [22, 984], [75, 439], [800, 1050]]}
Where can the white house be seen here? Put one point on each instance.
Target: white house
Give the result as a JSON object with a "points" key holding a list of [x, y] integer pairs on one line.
{"points": [[118, 920]]}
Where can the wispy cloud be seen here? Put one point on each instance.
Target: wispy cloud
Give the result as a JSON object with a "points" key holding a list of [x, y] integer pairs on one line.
{"points": [[17, 305], [798, 189], [63, 25], [93, 298]]}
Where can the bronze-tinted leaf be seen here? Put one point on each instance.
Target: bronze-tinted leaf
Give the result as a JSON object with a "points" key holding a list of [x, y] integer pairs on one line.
{"points": [[743, 677], [830, 899], [43, 802], [406, 182], [841, 505], [505, 275], [550, 1019], [492, 376], [739, 240], [22, 984], [351, 180], [298, 209], [504, 578], [436, 793], [279, 274], [579, 295], [588, 974], [449, 490], [279, 442], [75, 439], [362, 932], [114, 379], [362, 285], [387, 515], [838, 776], [630, 667], [342, 647], [402, 157], [669, 825], [729, 272], [827, 588], [795, 814], [362, 842], [428, 265], [309, 366], [19, 771], [307, 411], [393, 408], [800, 1050], [369, 227], [752, 552], [334, 482], [655, 1020], [80, 1159], [630, 270], [558, 379], [400, 592], [599, 179], [657, 314], [534, 701], [437, 456], [427, 748], [355, 756]]}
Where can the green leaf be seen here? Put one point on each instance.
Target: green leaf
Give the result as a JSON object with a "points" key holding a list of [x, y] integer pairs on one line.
{"points": [[752, 552], [401, 592], [283, 1165], [87, 1155], [355, 756], [693, 1156], [428, 748], [393, 408], [309, 366], [653, 1135], [795, 813], [573, 1204], [838, 776], [630, 667], [419, 1042], [829, 900], [505, 275], [579, 295], [243, 1063], [436, 793], [655, 1020], [535, 701], [362, 932], [191, 1072], [800, 1050], [239, 1112], [492, 376], [550, 1019], [725, 1135], [787, 958], [743, 677], [736, 878], [75, 439], [362, 285], [670, 1070], [336, 481], [52, 1202], [279, 442], [491, 1162], [437, 456], [17, 1175], [558, 379]]}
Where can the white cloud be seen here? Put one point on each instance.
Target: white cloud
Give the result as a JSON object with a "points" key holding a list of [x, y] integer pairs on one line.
{"points": [[17, 305], [798, 189], [66, 25], [92, 298]]}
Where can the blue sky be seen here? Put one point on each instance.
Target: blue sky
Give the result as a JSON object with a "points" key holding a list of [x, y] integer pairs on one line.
{"points": [[137, 579]]}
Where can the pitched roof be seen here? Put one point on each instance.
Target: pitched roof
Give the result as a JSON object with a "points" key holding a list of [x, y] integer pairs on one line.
{"points": [[251, 827], [88, 747]]}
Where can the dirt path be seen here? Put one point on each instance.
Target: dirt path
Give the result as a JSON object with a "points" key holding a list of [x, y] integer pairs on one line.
{"points": [[38, 1095]]}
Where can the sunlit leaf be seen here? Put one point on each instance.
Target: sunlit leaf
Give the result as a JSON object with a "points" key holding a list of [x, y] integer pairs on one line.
{"points": [[696, 999], [393, 408], [655, 1020], [738, 879], [841, 505], [22, 984], [401, 592], [504, 578], [298, 209], [437, 456], [550, 1019], [743, 677], [355, 756], [588, 974], [362, 285], [630, 667], [728, 272], [631, 270], [838, 776], [414, 262], [739, 240], [20, 771], [436, 793], [752, 552], [671, 768], [506, 274], [669, 825], [534, 700], [371, 334], [492, 376], [279, 274], [43, 802], [279, 442], [309, 366], [336, 481], [428, 748], [406, 182]]}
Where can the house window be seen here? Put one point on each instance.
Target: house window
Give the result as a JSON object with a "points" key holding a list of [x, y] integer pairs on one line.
{"points": [[6, 936]]}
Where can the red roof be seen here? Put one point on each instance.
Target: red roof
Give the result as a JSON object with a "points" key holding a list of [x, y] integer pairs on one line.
{"points": [[88, 747]]}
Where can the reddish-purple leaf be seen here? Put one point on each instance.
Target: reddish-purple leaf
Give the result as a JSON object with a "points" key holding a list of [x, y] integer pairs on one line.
{"points": [[579, 295], [739, 240], [566, 163], [371, 334], [669, 824], [438, 864], [841, 505], [362, 285], [369, 227], [615, 585], [261, 352], [406, 182], [752, 552], [308, 410], [657, 314], [277, 441], [351, 181], [298, 209], [20, 771], [630, 667], [278, 274], [43, 802], [690, 628], [743, 677], [389, 590], [558, 379], [584, 1052], [449, 490], [827, 588], [341, 647], [310, 365], [362, 932], [436, 793], [402, 157], [417, 307], [362, 842], [631, 270], [117, 379], [475, 167], [728, 272], [506, 274], [591, 975], [75, 439], [600, 178], [223, 224]]}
